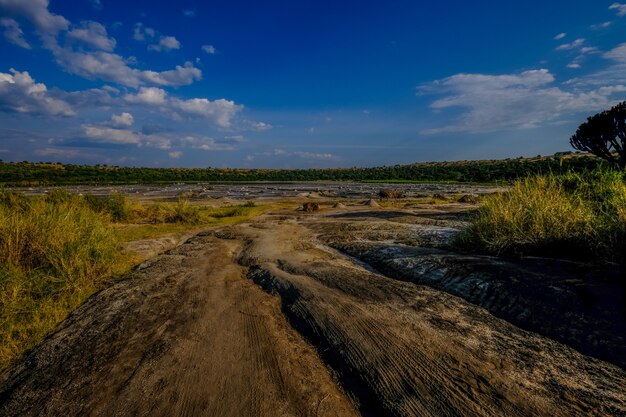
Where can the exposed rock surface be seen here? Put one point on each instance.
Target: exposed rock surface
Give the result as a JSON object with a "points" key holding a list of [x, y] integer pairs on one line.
{"points": [[191, 334]]}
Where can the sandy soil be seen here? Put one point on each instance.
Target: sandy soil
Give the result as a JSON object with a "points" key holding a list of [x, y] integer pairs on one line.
{"points": [[267, 319]]}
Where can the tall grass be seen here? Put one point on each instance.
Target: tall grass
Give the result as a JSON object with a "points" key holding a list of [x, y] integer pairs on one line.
{"points": [[576, 215], [54, 252], [58, 249]]}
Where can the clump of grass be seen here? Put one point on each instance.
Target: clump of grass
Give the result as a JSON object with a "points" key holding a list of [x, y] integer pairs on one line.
{"points": [[54, 252], [576, 215], [117, 205], [183, 212]]}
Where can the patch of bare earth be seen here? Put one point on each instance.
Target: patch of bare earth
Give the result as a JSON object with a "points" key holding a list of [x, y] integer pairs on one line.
{"points": [[266, 319]]}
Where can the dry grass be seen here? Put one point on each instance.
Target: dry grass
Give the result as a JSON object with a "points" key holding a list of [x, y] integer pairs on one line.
{"points": [[57, 250], [581, 216]]}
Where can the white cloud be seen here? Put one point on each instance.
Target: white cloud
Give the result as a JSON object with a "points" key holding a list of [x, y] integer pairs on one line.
{"points": [[92, 34], [19, 93], [206, 143], [599, 26], [617, 54], [497, 102], [122, 120], [573, 65], [619, 8], [189, 13], [147, 95], [47, 24], [61, 153], [560, 36], [300, 154], [166, 43], [572, 45], [219, 111], [314, 156], [141, 32], [100, 64], [209, 49], [112, 67], [257, 126], [110, 135], [175, 154], [13, 33]]}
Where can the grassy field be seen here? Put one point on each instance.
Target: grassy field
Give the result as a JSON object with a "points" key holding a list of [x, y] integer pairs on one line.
{"points": [[57, 250], [580, 216]]}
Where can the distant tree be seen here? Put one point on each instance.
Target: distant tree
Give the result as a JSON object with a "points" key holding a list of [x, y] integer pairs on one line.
{"points": [[604, 135]]}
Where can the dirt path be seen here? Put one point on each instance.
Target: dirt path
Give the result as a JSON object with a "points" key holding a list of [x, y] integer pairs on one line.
{"points": [[193, 334], [190, 335]]}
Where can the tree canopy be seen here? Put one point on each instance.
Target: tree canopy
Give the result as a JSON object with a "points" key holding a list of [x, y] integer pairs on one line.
{"points": [[604, 135]]}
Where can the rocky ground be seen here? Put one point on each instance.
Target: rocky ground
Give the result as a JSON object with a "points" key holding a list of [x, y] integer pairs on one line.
{"points": [[356, 310]]}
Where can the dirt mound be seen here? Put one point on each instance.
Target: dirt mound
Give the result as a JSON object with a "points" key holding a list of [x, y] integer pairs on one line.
{"points": [[339, 206], [372, 203], [391, 194], [310, 207], [469, 199]]}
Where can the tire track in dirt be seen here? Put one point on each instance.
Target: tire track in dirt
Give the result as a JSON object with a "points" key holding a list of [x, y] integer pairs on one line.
{"points": [[189, 335], [407, 350]]}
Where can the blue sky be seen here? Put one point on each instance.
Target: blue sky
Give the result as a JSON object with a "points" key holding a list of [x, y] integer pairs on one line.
{"points": [[297, 84]]}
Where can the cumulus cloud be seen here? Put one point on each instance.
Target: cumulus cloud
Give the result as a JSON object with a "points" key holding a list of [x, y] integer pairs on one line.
{"points": [[20, 93], [560, 36], [524, 100], [47, 24], [166, 43], [123, 120], [147, 95], [13, 33], [175, 154], [209, 49], [111, 67], [102, 63], [619, 8], [92, 34], [220, 111]]}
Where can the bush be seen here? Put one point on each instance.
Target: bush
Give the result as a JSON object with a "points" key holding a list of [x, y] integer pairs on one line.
{"points": [[581, 216]]}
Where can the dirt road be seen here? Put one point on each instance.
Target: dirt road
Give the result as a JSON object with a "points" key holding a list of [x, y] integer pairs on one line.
{"points": [[266, 319]]}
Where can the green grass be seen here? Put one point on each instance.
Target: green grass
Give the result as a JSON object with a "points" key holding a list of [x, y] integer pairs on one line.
{"points": [[58, 249], [580, 216]]}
